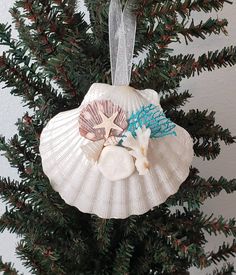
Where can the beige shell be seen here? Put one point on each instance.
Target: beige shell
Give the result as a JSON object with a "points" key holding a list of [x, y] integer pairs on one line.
{"points": [[81, 184], [116, 163]]}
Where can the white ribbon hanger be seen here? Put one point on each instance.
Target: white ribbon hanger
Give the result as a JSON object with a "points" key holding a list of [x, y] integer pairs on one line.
{"points": [[122, 29]]}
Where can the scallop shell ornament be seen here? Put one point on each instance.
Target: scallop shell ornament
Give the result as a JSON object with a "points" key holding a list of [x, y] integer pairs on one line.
{"points": [[117, 154], [112, 186]]}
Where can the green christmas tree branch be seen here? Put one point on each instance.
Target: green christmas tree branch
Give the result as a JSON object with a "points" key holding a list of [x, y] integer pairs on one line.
{"points": [[190, 249], [53, 22], [37, 228], [206, 134], [227, 269], [17, 56], [211, 26], [9, 153], [223, 253], [7, 268], [11, 74], [157, 9], [15, 148], [187, 65], [39, 259], [155, 72], [98, 11], [59, 239], [14, 193], [174, 100], [186, 249], [217, 225], [38, 44], [169, 30], [123, 254], [102, 232], [14, 220], [20, 197], [24, 82], [195, 190], [163, 73], [44, 17]]}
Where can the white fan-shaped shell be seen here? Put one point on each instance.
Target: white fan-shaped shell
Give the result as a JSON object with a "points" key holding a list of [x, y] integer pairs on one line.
{"points": [[82, 185]]}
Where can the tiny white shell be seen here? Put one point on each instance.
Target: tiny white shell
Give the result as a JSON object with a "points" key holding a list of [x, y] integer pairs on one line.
{"points": [[92, 150], [82, 185], [115, 163]]}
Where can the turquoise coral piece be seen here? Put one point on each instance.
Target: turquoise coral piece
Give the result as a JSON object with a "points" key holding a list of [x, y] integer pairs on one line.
{"points": [[154, 118]]}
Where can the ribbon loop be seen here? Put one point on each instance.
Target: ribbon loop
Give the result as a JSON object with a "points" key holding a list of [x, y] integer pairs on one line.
{"points": [[122, 29]]}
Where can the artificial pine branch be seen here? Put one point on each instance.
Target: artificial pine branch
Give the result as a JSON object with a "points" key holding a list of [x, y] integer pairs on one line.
{"points": [[191, 251], [225, 270], [187, 65], [21, 197], [164, 75], [123, 255], [98, 12], [195, 190], [13, 149], [47, 35], [25, 82], [102, 232], [7, 268], [14, 221], [174, 100], [16, 52], [12, 75], [13, 192], [223, 253], [206, 134], [57, 238], [169, 28], [39, 259], [211, 26], [158, 9], [217, 225], [37, 227]]}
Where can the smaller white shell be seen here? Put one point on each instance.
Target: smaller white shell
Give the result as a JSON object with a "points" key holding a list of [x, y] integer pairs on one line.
{"points": [[115, 163], [92, 150]]}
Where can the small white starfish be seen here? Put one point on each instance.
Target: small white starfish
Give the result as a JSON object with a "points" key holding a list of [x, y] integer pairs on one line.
{"points": [[108, 123]]}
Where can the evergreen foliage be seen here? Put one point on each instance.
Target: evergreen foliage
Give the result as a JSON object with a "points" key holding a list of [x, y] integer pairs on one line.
{"points": [[57, 46]]}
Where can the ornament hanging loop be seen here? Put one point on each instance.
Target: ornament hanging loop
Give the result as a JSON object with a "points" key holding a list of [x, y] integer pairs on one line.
{"points": [[122, 29]]}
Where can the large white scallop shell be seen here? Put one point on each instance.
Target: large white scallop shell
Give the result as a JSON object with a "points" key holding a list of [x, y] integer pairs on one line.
{"points": [[81, 184]]}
